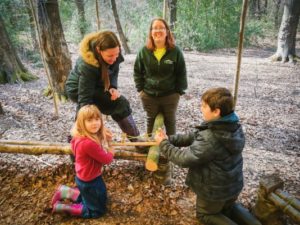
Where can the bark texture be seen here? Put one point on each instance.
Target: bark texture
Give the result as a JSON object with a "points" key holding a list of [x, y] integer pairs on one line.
{"points": [[286, 46], [53, 44], [11, 67], [81, 13], [119, 27]]}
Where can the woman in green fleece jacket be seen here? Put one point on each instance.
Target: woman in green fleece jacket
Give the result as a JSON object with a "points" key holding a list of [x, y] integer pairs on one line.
{"points": [[160, 75], [94, 79]]}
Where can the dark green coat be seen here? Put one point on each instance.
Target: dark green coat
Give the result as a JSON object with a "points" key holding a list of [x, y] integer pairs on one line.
{"points": [[160, 78], [85, 86], [213, 156]]}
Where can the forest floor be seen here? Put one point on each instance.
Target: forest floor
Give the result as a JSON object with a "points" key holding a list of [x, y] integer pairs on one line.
{"points": [[268, 105]]}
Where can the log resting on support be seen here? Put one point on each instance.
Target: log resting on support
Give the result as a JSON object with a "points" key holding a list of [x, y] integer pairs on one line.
{"points": [[38, 148], [272, 203]]}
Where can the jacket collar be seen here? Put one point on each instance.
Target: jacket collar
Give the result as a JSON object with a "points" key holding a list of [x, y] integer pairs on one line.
{"points": [[231, 118]]}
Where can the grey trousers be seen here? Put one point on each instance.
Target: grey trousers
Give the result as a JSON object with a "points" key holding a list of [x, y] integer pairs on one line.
{"points": [[167, 105]]}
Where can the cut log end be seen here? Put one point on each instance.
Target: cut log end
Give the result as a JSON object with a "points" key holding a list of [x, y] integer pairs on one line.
{"points": [[151, 166]]}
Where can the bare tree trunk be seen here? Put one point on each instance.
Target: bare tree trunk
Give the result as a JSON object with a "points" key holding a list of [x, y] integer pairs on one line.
{"points": [[166, 10], [264, 6], [173, 11], [53, 45], [1, 109], [276, 19], [286, 46], [119, 27], [82, 20], [11, 67], [32, 27], [258, 9]]}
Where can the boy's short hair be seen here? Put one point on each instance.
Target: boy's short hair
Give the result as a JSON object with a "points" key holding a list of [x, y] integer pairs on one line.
{"points": [[219, 98]]}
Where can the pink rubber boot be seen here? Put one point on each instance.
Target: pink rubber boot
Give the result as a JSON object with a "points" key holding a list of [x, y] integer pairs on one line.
{"points": [[72, 209], [65, 192]]}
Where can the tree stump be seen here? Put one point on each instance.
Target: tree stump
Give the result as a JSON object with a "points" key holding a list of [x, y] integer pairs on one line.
{"points": [[272, 203]]}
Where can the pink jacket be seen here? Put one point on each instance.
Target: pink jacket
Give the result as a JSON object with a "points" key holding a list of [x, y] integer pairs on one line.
{"points": [[89, 158]]}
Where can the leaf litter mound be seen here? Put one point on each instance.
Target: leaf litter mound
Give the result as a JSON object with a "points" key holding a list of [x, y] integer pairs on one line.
{"points": [[268, 107]]}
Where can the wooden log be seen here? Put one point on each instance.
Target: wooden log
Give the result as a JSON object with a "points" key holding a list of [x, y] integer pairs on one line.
{"points": [[130, 155], [288, 198], [153, 154], [272, 202], [15, 142], [289, 210], [35, 149], [264, 209], [127, 152], [43, 143], [152, 158]]}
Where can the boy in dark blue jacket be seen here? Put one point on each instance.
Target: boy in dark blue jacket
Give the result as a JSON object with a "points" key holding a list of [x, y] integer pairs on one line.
{"points": [[213, 156]]}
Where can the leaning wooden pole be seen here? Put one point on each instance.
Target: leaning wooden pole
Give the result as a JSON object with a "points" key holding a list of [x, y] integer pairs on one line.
{"points": [[97, 15], [240, 49], [153, 154]]}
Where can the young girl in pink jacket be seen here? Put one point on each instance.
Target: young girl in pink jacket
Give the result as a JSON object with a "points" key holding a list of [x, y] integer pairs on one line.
{"points": [[90, 146]]}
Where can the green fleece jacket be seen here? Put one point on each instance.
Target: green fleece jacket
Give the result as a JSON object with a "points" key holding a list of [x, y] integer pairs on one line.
{"points": [[213, 156], [160, 78]]}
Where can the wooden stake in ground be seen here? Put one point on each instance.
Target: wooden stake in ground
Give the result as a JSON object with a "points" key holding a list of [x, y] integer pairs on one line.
{"points": [[240, 49], [153, 154]]}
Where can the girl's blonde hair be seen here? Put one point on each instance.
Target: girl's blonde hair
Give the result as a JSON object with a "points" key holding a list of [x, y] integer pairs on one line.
{"points": [[79, 129]]}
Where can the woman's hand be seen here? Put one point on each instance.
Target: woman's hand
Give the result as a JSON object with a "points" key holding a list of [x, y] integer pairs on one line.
{"points": [[114, 94], [160, 135]]}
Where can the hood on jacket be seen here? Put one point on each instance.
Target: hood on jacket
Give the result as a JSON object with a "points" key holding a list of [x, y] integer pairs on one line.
{"points": [[85, 51], [228, 132]]}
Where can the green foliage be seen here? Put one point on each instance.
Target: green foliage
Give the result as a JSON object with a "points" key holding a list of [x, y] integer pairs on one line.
{"points": [[136, 25], [204, 25], [201, 25], [70, 20], [16, 22]]}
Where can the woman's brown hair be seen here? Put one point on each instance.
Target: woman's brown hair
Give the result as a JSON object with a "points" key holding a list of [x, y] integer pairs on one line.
{"points": [[170, 41], [79, 130], [105, 40]]}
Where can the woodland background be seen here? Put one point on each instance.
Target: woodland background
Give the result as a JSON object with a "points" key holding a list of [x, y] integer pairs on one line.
{"points": [[207, 31]]}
